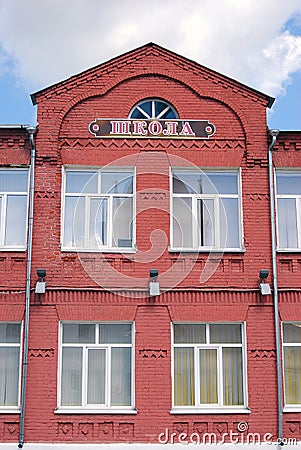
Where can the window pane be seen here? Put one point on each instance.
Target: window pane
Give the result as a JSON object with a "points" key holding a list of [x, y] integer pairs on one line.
{"points": [[287, 223], [288, 183], [9, 375], [74, 223], [98, 222], [224, 183], [292, 333], [206, 222], [186, 182], [117, 182], [121, 376], [229, 224], [10, 332], [71, 376], [13, 180], [292, 374], [182, 222], [190, 333], [81, 181], [15, 227], [122, 221], [225, 334], [169, 114], [205, 182], [147, 107], [115, 333], [232, 376], [75, 333], [208, 376], [96, 376], [184, 389]]}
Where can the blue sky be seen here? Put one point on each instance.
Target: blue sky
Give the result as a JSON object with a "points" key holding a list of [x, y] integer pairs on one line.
{"points": [[252, 41]]}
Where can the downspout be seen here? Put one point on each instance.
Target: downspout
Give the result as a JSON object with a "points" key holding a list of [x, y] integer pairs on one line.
{"points": [[31, 131], [274, 134]]}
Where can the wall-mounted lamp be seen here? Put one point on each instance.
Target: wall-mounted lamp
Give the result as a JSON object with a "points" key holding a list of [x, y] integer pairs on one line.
{"points": [[41, 284], [154, 287], [263, 286]]}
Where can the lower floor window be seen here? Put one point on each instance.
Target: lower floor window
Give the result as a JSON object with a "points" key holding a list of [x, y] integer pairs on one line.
{"points": [[292, 363], [10, 342], [96, 365], [208, 365]]}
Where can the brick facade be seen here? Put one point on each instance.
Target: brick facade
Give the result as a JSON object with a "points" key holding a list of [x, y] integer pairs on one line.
{"points": [[113, 286]]}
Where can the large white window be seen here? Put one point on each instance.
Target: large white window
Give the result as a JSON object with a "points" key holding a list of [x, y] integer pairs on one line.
{"points": [[209, 367], [96, 366], [292, 364], [13, 208], [288, 186], [98, 209], [206, 212], [10, 364]]}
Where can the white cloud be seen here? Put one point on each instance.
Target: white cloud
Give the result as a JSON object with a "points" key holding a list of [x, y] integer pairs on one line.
{"points": [[50, 40]]}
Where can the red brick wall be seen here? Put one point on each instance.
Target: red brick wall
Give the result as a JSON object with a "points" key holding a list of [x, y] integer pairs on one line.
{"points": [[231, 293]]}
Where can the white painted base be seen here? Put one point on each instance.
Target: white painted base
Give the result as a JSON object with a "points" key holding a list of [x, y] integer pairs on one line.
{"points": [[176, 446]]}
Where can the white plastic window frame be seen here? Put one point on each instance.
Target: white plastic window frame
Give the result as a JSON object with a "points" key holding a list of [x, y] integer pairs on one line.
{"points": [[297, 199], [215, 198], [104, 248], [17, 408], [211, 408], [94, 408], [3, 196]]}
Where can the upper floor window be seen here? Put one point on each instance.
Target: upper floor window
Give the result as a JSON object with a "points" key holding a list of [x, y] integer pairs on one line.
{"points": [[206, 211], [153, 109], [13, 208], [96, 366], [98, 209], [292, 363], [288, 187], [10, 364], [209, 366]]}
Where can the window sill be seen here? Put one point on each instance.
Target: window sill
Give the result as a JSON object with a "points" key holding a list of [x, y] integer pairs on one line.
{"points": [[13, 249], [288, 250], [206, 250], [100, 250], [217, 410], [10, 410], [95, 411], [293, 409]]}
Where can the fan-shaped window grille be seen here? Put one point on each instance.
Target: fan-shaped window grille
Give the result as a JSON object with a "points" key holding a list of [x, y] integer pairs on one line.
{"points": [[153, 109]]}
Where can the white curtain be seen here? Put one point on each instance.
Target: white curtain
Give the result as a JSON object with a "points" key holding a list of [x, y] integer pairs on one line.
{"points": [[9, 375], [121, 377], [287, 223], [71, 385], [122, 220], [15, 227], [96, 376]]}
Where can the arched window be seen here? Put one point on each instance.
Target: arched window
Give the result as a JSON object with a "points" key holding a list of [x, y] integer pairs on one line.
{"points": [[153, 109]]}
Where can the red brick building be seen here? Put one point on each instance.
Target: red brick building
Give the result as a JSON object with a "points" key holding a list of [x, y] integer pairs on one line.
{"points": [[136, 219]]}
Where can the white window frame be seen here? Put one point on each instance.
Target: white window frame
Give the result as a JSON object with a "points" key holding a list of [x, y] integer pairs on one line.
{"points": [[217, 408], [297, 198], [3, 196], [95, 408], [88, 197], [289, 407], [212, 196], [14, 409]]}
